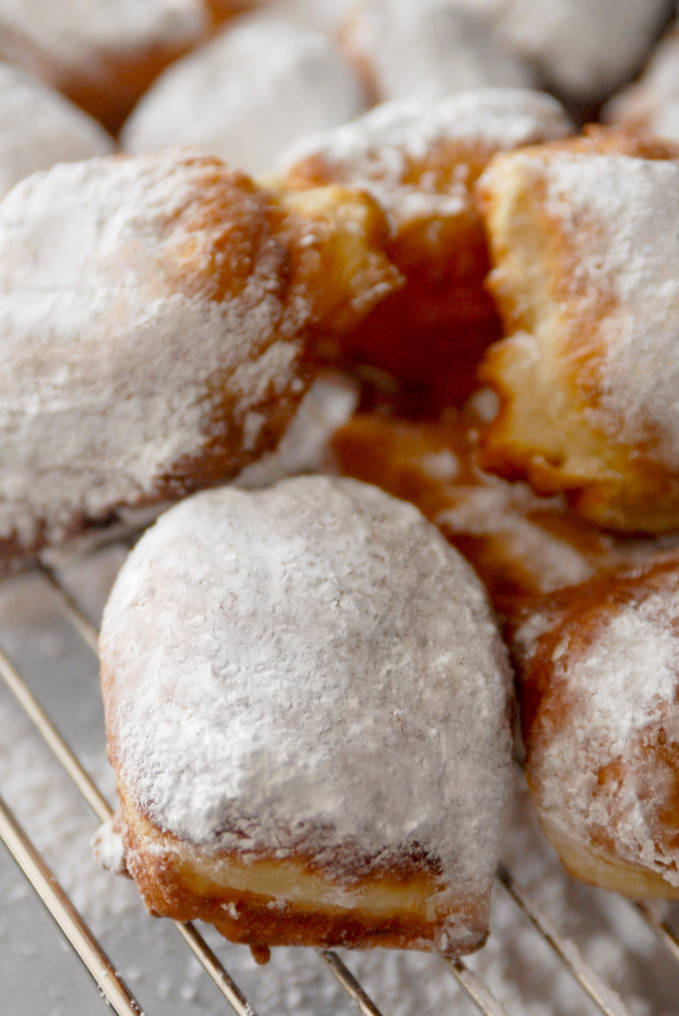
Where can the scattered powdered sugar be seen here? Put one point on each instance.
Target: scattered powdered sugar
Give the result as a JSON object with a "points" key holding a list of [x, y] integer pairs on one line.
{"points": [[378, 150], [619, 216], [108, 365], [310, 668], [429, 49], [75, 32], [248, 94], [38, 127], [624, 684]]}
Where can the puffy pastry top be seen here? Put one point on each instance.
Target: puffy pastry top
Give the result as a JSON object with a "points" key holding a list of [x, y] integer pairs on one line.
{"points": [[248, 94], [310, 669], [421, 159], [613, 280], [39, 127], [152, 312], [600, 679], [428, 49]]}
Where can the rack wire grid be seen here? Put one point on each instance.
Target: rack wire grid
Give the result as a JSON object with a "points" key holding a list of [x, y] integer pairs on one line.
{"points": [[555, 946]]}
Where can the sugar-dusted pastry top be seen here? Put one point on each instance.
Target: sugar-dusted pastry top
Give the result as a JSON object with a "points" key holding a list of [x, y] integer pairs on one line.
{"points": [[39, 127], [310, 671], [598, 683], [653, 100], [428, 49], [419, 159], [585, 255], [153, 313], [248, 94]]}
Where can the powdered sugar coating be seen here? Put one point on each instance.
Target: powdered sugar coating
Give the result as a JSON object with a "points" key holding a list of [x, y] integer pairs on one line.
{"points": [[429, 49], [618, 217], [377, 150], [622, 691], [121, 362], [310, 668], [248, 94], [38, 127]]}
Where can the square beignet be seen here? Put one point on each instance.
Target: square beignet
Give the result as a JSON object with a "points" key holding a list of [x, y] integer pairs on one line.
{"points": [[585, 251], [307, 708]]}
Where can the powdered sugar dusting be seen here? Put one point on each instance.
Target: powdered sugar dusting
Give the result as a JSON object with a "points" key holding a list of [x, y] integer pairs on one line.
{"points": [[38, 127], [248, 94], [287, 676], [108, 367], [377, 150], [624, 684], [619, 215]]}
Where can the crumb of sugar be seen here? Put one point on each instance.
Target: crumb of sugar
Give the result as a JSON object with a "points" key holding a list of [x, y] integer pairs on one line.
{"points": [[247, 94], [376, 150], [236, 755]]}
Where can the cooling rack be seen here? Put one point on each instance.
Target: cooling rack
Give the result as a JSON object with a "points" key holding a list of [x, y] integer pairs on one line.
{"points": [[557, 949]]}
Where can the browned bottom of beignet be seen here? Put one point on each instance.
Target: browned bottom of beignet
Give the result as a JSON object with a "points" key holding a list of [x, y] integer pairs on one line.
{"points": [[270, 901]]}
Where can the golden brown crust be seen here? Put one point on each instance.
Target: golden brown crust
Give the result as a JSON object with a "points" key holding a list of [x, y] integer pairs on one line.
{"points": [[241, 897]]}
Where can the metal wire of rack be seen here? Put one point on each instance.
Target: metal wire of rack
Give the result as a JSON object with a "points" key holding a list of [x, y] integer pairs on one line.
{"points": [[112, 985]]}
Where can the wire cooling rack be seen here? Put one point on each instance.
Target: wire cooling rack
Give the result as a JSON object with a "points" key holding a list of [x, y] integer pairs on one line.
{"points": [[70, 604]]}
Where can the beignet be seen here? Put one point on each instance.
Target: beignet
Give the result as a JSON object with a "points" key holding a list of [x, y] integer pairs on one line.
{"points": [[247, 95], [307, 711], [585, 253], [154, 313], [598, 669]]}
